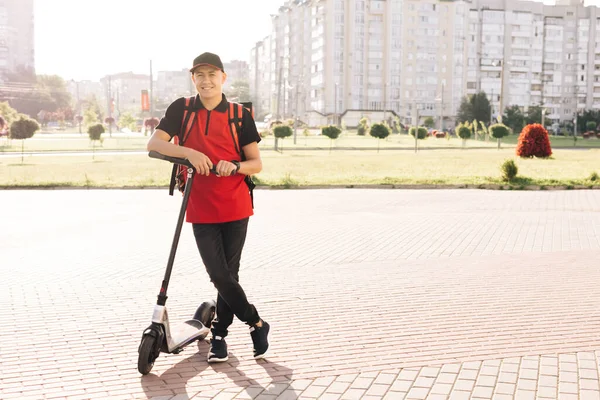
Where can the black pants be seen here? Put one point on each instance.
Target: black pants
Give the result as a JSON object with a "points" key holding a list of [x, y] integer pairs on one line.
{"points": [[220, 247]]}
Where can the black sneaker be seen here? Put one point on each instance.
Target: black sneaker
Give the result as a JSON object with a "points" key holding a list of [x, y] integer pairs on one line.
{"points": [[259, 339], [218, 350]]}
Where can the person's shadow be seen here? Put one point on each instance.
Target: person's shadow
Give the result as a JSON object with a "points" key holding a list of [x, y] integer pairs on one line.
{"points": [[280, 375], [176, 377]]}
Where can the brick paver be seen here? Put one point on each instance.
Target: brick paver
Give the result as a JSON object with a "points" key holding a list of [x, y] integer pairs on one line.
{"points": [[371, 294]]}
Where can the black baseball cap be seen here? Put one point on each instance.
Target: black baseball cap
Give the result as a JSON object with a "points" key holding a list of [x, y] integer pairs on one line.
{"points": [[207, 59]]}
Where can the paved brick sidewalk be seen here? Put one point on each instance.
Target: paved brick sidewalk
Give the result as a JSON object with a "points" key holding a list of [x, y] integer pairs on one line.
{"points": [[371, 294]]}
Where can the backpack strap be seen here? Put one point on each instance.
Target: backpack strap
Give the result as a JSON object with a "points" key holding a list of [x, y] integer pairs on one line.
{"points": [[235, 127], [189, 113]]}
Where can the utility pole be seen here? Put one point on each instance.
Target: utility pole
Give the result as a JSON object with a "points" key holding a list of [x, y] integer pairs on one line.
{"points": [[501, 110], [110, 105], [279, 87], [151, 94], [492, 107], [296, 112], [335, 104], [442, 110], [78, 105], [416, 127], [385, 88]]}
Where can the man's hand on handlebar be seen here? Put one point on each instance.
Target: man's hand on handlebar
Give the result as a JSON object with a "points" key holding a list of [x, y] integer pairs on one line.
{"points": [[200, 161], [225, 168]]}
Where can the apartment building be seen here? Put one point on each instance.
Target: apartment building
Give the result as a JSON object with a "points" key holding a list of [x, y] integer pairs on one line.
{"points": [[173, 84], [236, 70], [421, 57], [124, 91], [527, 53], [260, 82], [16, 36]]}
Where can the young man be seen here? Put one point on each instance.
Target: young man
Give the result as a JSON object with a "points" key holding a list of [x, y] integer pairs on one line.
{"points": [[219, 205]]}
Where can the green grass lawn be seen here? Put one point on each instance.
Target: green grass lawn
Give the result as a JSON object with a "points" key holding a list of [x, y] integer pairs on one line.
{"points": [[341, 167], [348, 140]]}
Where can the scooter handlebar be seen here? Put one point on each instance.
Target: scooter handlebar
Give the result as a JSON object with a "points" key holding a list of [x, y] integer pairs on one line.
{"points": [[176, 160]]}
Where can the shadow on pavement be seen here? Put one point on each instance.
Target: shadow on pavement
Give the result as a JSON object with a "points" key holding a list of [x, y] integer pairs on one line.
{"points": [[175, 378]]}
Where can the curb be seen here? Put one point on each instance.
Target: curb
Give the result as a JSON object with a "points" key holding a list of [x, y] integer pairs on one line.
{"points": [[341, 186]]}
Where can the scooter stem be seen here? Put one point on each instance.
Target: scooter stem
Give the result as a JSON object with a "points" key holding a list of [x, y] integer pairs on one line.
{"points": [[162, 297]]}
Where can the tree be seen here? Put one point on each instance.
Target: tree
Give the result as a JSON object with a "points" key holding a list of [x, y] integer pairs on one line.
{"points": [[90, 117], [429, 122], [56, 88], [22, 129], [126, 120], [379, 131], [465, 110], [464, 132], [95, 133], [332, 132], [92, 102], [534, 142], [45, 92], [514, 118], [239, 91], [110, 122], [498, 131], [150, 124], [363, 126], [475, 106], [483, 130], [585, 117], [396, 126], [590, 125], [422, 132], [481, 107], [534, 115], [9, 113], [281, 132]]}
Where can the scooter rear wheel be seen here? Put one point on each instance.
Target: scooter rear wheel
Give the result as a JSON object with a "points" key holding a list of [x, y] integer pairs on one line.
{"points": [[147, 354], [206, 313]]}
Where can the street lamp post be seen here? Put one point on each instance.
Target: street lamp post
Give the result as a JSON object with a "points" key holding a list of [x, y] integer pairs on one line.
{"points": [[543, 115], [78, 103], [441, 100], [492, 107], [78, 106]]}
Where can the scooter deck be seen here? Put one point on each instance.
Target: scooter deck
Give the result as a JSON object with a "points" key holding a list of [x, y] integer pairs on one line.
{"points": [[185, 333]]}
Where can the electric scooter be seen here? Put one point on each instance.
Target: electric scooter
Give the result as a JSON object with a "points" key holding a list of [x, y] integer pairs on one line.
{"points": [[160, 336]]}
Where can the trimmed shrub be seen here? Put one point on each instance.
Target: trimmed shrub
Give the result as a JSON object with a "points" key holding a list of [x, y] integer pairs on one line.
{"points": [[363, 126], [463, 132], [95, 132], [379, 131], [509, 170], [23, 128], [331, 131], [590, 125], [282, 131], [422, 132], [534, 142]]}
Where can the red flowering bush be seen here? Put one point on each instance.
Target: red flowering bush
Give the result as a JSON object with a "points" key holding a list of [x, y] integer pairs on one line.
{"points": [[534, 142]]}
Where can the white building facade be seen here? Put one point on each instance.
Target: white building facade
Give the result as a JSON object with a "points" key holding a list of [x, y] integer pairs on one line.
{"points": [[337, 59]]}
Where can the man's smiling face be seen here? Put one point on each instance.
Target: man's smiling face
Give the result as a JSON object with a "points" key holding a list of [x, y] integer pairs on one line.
{"points": [[208, 81]]}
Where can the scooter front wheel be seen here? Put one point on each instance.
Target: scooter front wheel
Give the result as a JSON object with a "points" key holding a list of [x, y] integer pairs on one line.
{"points": [[147, 354]]}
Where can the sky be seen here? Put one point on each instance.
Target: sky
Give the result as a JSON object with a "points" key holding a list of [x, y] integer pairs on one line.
{"points": [[89, 39]]}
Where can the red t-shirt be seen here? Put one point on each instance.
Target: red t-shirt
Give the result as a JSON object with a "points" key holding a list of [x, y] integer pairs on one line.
{"points": [[214, 199]]}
